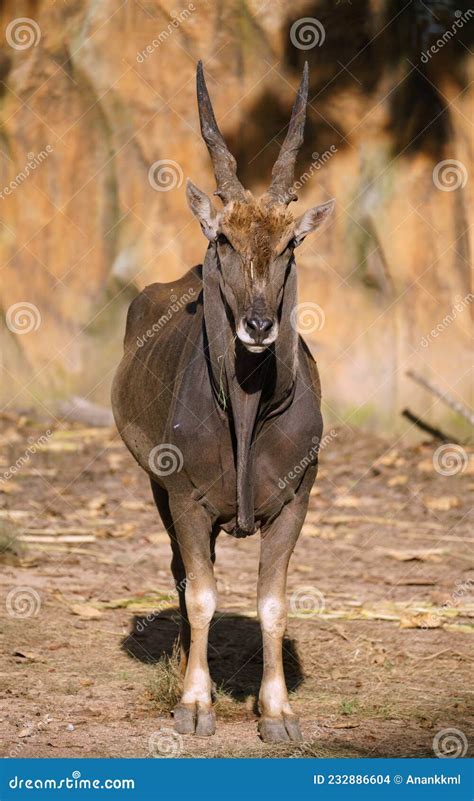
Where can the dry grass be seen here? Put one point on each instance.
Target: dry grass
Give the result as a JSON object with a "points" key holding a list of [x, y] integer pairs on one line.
{"points": [[306, 750], [229, 709], [11, 550], [165, 686], [166, 683]]}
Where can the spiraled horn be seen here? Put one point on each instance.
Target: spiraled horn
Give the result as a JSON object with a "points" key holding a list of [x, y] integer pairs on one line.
{"points": [[225, 167], [283, 173]]}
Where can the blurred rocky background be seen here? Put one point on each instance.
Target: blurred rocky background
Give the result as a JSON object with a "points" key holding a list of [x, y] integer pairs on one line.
{"points": [[93, 95]]}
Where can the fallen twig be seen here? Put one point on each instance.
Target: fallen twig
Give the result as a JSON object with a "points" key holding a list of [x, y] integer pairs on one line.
{"points": [[444, 396], [427, 658], [57, 531], [61, 538], [436, 433], [385, 521]]}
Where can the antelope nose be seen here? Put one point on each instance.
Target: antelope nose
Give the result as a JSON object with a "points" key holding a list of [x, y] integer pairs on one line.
{"points": [[258, 325]]}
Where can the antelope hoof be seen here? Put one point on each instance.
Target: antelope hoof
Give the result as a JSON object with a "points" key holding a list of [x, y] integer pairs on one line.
{"points": [[184, 719], [206, 723], [280, 730], [190, 719]]}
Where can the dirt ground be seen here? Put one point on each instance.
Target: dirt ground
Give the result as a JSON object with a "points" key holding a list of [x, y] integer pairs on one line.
{"points": [[380, 588]]}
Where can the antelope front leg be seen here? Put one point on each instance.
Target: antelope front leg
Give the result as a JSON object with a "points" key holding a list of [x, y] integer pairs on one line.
{"points": [[277, 722], [194, 713]]}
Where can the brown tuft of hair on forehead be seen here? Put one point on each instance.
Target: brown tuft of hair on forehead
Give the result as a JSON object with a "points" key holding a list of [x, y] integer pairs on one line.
{"points": [[256, 230]]}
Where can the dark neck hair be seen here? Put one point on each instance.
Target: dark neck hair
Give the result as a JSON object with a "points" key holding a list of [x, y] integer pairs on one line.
{"points": [[272, 372], [248, 387]]}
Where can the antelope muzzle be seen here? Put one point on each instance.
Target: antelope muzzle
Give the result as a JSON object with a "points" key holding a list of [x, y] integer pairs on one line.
{"points": [[257, 329]]}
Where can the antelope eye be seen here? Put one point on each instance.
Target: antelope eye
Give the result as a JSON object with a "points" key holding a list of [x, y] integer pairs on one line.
{"points": [[222, 240]]}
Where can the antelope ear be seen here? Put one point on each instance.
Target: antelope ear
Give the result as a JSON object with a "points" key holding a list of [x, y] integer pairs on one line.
{"points": [[203, 209], [311, 220]]}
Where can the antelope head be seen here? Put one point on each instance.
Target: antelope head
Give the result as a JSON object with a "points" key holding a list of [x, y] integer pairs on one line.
{"points": [[255, 239]]}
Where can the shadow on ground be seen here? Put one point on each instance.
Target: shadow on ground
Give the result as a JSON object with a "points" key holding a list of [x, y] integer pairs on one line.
{"points": [[235, 650]]}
